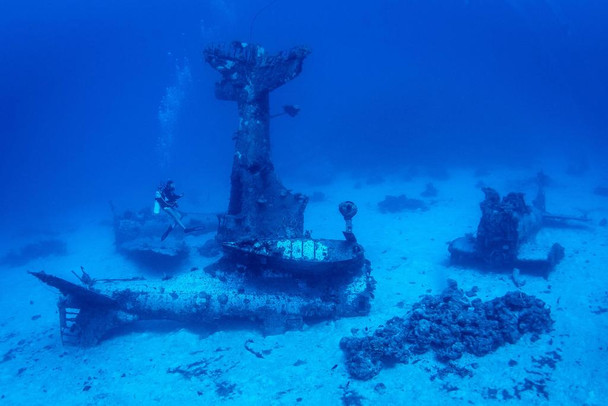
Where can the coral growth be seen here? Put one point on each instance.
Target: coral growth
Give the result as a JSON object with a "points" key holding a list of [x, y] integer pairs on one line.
{"points": [[450, 325]]}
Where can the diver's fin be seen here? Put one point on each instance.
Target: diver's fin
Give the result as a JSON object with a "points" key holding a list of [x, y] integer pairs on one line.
{"points": [[166, 233], [176, 216]]}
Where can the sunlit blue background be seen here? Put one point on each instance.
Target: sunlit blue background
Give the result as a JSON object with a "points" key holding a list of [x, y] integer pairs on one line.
{"points": [[389, 84]]}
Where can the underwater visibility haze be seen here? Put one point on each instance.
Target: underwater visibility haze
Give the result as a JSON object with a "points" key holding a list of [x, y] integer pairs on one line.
{"points": [[323, 240]]}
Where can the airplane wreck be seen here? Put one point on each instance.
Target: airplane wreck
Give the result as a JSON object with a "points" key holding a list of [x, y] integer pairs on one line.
{"points": [[270, 272], [505, 235]]}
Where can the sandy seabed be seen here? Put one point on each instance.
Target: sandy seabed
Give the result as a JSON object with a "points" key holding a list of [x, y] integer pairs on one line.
{"points": [[171, 364]]}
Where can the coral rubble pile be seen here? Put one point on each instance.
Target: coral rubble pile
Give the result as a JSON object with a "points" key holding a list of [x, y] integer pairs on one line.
{"points": [[450, 325]]}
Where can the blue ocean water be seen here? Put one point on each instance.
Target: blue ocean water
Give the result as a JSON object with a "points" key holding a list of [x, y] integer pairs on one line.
{"points": [[100, 101], [391, 82]]}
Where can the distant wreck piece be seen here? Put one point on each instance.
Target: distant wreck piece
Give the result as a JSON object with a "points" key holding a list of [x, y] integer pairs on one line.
{"points": [[136, 236], [429, 191], [40, 249], [505, 233], [449, 325], [396, 204], [260, 206]]}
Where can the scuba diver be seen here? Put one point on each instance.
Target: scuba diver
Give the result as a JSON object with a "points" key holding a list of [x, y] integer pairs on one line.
{"points": [[166, 199], [167, 193]]}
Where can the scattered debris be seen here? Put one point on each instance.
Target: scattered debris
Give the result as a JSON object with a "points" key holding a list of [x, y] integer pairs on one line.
{"points": [[430, 191], [550, 359], [225, 389], [539, 375], [351, 398], [380, 388], [195, 369], [9, 355], [396, 204], [449, 388], [202, 369], [40, 249], [251, 350], [540, 387], [452, 368], [490, 393]]}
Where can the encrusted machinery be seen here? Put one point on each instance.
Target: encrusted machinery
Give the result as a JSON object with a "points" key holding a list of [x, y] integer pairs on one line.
{"points": [[260, 206], [270, 273], [272, 297], [505, 235]]}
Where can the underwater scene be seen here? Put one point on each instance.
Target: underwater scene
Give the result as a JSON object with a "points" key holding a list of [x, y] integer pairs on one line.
{"points": [[272, 202]]}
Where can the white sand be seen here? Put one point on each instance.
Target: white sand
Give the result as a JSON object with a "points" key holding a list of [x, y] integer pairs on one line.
{"points": [[409, 257]]}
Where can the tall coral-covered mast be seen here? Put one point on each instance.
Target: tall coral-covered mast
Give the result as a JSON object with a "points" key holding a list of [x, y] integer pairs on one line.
{"points": [[260, 206]]}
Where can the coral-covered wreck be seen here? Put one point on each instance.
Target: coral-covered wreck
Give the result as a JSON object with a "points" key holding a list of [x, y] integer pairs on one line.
{"points": [[271, 272], [505, 235]]}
